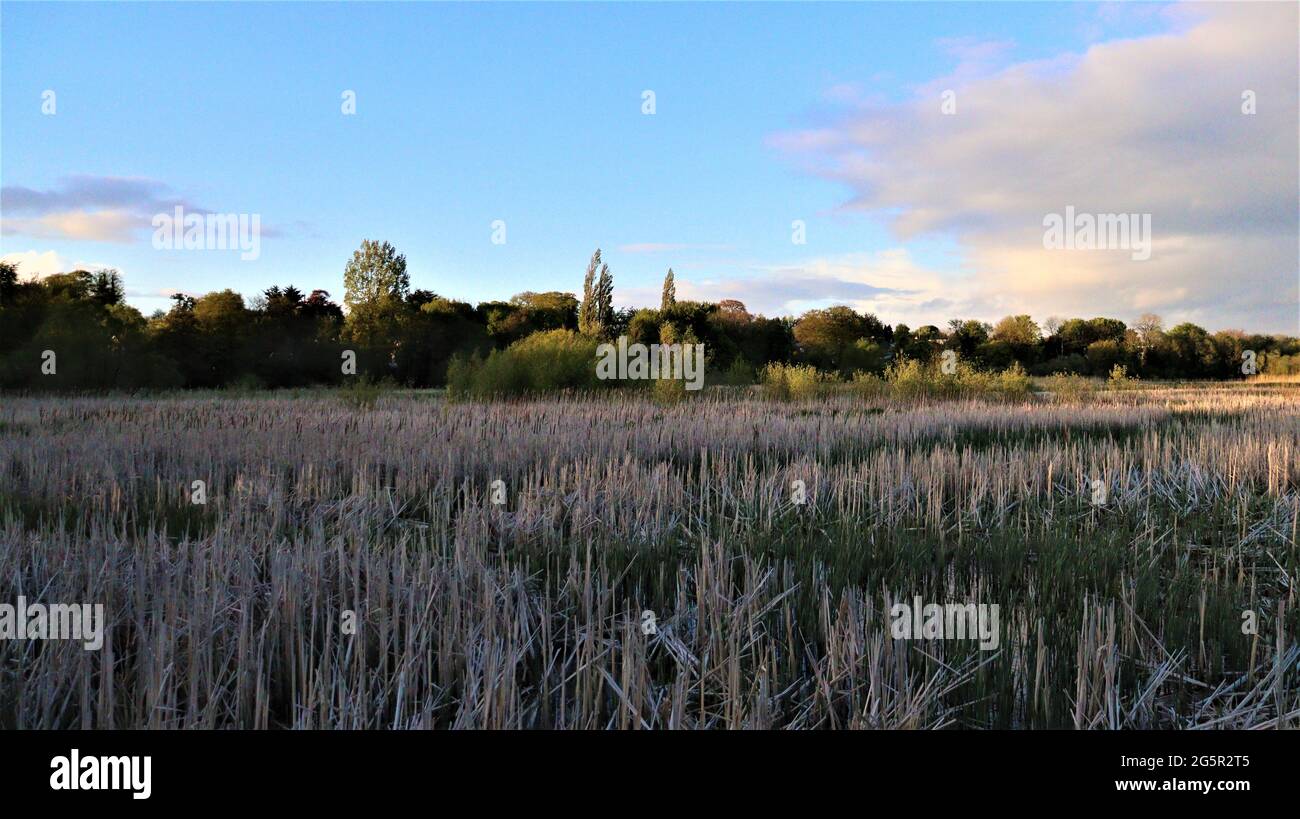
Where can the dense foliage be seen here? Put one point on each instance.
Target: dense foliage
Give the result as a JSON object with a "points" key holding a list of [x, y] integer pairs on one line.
{"points": [[286, 337]]}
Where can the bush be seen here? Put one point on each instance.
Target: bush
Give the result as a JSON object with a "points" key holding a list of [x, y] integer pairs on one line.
{"points": [[1120, 379], [868, 385], [739, 374], [909, 379], [1069, 387], [461, 370], [787, 382], [542, 362], [1014, 383], [669, 390], [362, 393]]}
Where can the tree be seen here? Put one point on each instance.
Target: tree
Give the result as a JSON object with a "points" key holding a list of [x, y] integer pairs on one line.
{"points": [[643, 327], [1019, 331], [921, 344], [596, 315], [220, 312], [222, 323], [184, 304], [966, 335], [376, 272], [1104, 355], [430, 335], [862, 355], [1076, 335], [669, 297], [824, 336], [604, 296], [1194, 353], [1149, 328], [68, 287], [282, 304], [1150, 333], [902, 338], [733, 310], [106, 288], [587, 323], [1014, 338], [294, 340], [552, 310], [8, 281], [376, 285]]}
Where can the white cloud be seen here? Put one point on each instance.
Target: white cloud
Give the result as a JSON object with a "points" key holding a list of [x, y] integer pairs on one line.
{"points": [[1145, 125], [34, 263], [889, 283], [93, 226], [39, 264]]}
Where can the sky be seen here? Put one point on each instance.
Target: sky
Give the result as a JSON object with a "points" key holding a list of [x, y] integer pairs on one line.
{"points": [[899, 158]]}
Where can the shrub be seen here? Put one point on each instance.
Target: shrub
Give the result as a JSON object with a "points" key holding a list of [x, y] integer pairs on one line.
{"points": [[868, 385], [1014, 383], [669, 390], [739, 374], [362, 393], [461, 370], [1120, 379], [909, 379], [542, 362], [786, 382], [1069, 387]]}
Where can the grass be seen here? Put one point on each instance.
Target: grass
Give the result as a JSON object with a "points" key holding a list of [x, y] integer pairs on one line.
{"points": [[771, 613]]}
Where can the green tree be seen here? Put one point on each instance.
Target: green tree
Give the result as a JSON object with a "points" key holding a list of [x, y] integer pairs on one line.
{"points": [[1104, 355], [1019, 331], [222, 323], [669, 297], [588, 322], [966, 336], [376, 272], [8, 282], [106, 287], [376, 284], [604, 296], [1193, 351], [1075, 335], [824, 336], [527, 313]]}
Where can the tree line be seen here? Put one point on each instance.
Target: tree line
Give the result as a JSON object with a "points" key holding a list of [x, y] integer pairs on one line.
{"points": [[288, 337]]}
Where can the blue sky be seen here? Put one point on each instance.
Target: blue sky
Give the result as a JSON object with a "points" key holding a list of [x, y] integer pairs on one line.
{"points": [[532, 114]]}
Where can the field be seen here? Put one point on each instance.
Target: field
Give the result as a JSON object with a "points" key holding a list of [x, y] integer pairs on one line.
{"points": [[354, 565]]}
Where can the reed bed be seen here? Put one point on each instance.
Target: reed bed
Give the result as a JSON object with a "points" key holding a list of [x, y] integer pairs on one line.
{"points": [[772, 607]]}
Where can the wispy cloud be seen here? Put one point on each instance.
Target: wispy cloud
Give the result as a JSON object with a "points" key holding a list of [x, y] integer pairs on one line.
{"points": [[101, 209], [81, 191], [90, 208]]}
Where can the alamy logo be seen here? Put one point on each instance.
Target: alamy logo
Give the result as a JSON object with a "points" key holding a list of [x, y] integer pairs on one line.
{"points": [[657, 361], [57, 621], [1103, 231], [950, 621], [102, 773], [209, 231]]}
